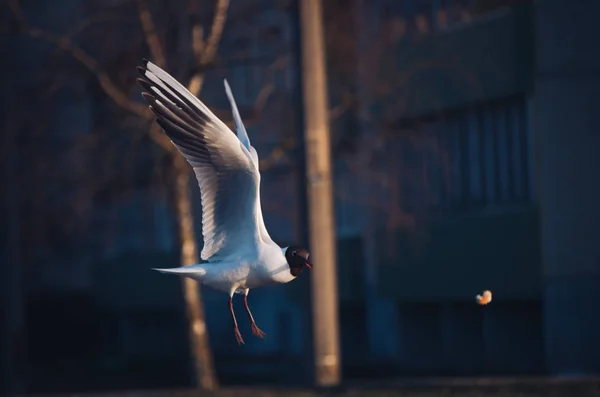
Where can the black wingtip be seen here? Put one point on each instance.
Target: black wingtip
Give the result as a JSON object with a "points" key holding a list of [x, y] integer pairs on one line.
{"points": [[142, 70], [161, 122], [155, 113], [149, 97], [145, 84], [145, 61]]}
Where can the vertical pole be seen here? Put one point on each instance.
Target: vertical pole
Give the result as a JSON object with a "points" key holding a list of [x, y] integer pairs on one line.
{"points": [[302, 233], [319, 191]]}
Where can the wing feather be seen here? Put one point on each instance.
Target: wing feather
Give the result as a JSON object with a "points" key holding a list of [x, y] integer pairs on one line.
{"points": [[239, 125], [224, 166], [243, 137]]}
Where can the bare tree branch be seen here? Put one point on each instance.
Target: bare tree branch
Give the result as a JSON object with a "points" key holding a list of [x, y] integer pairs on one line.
{"points": [[158, 56], [65, 44], [216, 31], [149, 29], [197, 30], [267, 89], [86, 23], [205, 52], [110, 88], [289, 144], [277, 154], [337, 111], [263, 97]]}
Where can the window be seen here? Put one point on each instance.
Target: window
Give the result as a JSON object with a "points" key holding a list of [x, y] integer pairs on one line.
{"points": [[491, 154], [471, 157]]}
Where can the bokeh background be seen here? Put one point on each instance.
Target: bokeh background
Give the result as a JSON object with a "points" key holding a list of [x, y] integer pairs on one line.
{"points": [[465, 138]]}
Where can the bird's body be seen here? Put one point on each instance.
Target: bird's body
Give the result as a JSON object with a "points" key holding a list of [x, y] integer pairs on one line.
{"points": [[236, 275], [239, 253]]}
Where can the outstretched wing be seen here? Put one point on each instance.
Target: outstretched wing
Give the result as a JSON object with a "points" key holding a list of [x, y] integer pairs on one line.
{"points": [[227, 174], [243, 137]]}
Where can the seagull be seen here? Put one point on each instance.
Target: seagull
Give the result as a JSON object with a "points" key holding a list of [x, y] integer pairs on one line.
{"points": [[239, 253]]}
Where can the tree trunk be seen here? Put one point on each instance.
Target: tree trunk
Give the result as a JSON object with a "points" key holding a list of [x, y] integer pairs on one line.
{"points": [[320, 196], [200, 348]]}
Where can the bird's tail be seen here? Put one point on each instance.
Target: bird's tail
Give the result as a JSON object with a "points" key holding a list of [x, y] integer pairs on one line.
{"points": [[190, 271]]}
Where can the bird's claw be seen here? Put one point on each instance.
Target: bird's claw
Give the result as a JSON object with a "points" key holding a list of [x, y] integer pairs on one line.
{"points": [[257, 331], [238, 337]]}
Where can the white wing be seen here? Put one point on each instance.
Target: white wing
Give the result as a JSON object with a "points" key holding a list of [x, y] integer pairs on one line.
{"points": [[227, 174], [239, 125], [243, 137]]}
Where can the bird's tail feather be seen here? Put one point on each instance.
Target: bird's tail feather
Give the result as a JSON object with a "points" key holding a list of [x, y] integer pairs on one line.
{"points": [[185, 270]]}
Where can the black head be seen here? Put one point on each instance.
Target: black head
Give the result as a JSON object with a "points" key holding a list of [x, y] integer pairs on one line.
{"points": [[297, 258]]}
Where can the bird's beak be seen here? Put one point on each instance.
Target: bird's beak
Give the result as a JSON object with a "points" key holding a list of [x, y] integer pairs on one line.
{"points": [[307, 263]]}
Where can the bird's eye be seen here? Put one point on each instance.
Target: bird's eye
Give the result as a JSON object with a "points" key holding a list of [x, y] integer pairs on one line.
{"points": [[294, 253]]}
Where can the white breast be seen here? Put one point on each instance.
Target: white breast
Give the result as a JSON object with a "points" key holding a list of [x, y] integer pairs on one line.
{"points": [[272, 265]]}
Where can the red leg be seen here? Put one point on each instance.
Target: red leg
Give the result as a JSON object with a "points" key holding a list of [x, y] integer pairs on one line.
{"points": [[236, 330], [255, 330]]}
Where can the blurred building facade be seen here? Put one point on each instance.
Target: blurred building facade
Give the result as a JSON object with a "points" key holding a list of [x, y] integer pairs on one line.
{"points": [[452, 176], [459, 161], [477, 114]]}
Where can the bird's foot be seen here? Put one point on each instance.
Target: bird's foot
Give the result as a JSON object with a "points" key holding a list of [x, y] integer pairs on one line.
{"points": [[257, 331], [238, 336]]}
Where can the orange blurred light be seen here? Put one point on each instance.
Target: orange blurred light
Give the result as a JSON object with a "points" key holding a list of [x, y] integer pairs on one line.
{"points": [[484, 298]]}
